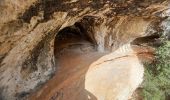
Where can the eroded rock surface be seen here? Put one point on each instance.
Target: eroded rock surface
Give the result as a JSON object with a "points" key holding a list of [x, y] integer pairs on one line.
{"points": [[28, 31]]}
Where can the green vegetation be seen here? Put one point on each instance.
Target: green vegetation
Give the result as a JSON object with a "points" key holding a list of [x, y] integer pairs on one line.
{"points": [[157, 75]]}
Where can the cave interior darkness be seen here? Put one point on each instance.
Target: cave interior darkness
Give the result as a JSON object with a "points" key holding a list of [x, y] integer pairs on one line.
{"points": [[73, 35]]}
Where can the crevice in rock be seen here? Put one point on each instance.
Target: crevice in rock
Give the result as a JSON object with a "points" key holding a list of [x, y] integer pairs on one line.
{"points": [[151, 40]]}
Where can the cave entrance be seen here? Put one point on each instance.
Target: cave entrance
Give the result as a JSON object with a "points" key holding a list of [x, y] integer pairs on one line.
{"points": [[74, 52], [72, 37]]}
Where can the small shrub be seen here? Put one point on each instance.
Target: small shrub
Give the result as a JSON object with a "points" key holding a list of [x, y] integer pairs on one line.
{"points": [[157, 75]]}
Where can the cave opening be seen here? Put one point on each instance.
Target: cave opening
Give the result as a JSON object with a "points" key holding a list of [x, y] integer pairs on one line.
{"points": [[73, 36], [75, 50]]}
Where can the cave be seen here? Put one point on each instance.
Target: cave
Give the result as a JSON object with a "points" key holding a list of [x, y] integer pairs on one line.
{"points": [[78, 49], [75, 50], [71, 36]]}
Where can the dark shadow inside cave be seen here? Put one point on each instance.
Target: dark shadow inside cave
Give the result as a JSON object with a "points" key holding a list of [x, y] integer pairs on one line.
{"points": [[74, 51], [72, 35]]}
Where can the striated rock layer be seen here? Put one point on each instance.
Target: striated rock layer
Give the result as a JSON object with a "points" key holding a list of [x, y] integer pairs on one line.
{"points": [[29, 29]]}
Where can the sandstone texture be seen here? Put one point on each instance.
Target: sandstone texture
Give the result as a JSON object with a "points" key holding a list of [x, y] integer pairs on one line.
{"points": [[77, 49]]}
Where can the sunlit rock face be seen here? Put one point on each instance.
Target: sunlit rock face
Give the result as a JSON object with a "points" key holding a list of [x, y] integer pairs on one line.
{"points": [[28, 31], [108, 79]]}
